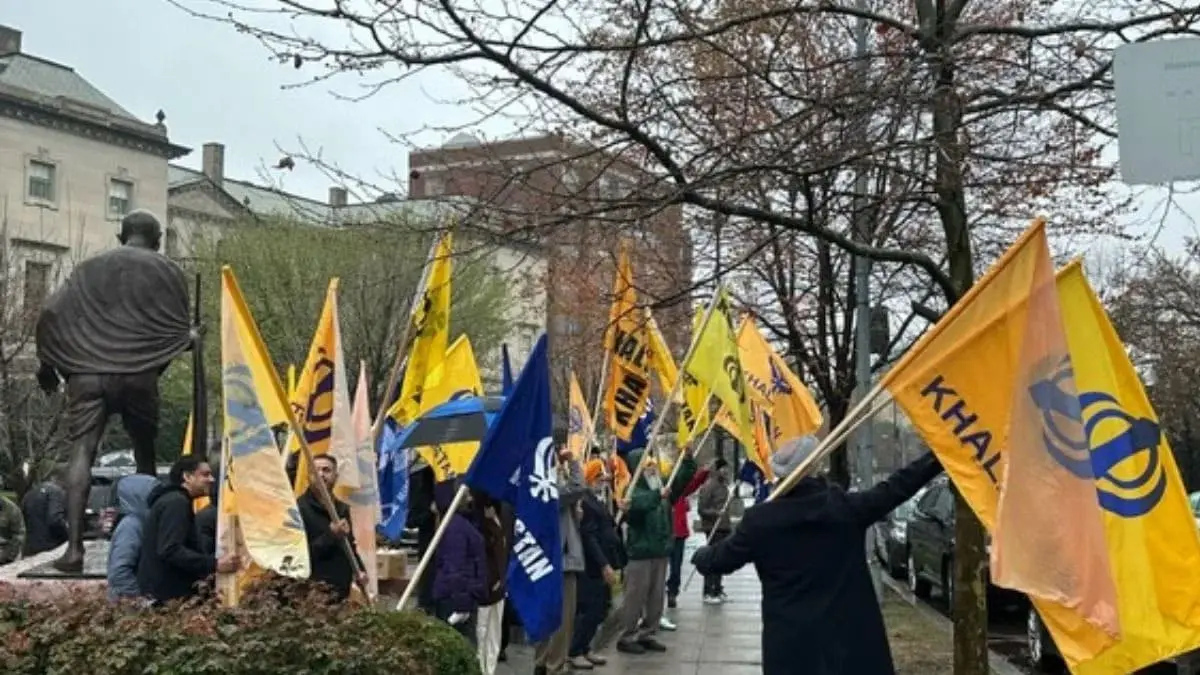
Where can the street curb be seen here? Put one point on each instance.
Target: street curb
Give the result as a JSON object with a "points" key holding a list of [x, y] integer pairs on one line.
{"points": [[996, 663]]}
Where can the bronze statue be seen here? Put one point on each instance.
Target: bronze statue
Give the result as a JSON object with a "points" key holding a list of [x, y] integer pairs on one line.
{"points": [[110, 332]]}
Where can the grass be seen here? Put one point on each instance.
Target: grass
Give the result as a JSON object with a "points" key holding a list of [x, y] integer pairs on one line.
{"points": [[919, 645]]}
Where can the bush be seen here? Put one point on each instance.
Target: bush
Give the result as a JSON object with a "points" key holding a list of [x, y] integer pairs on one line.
{"points": [[283, 626]]}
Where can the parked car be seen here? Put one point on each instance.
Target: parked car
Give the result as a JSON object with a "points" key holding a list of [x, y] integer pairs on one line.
{"points": [[891, 537], [1194, 500], [930, 559]]}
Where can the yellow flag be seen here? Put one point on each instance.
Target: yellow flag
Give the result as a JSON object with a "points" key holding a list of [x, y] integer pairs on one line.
{"points": [[693, 410], [431, 322], [716, 364], [661, 361], [579, 422], [312, 399], [758, 445], [792, 410], [1153, 545], [456, 375], [254, 487], [1048, 541], [627, 345]]}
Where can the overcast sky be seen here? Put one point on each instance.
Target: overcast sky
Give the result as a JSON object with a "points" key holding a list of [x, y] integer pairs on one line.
{"points": [[218, 85]]}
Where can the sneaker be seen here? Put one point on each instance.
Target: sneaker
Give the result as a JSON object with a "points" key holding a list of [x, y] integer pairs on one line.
{"points": [[596, 660], [671, 602], [502, 656], [580, 663], [652, 645], [666, 624], [712, 600], [723, 596], [630, 647]]}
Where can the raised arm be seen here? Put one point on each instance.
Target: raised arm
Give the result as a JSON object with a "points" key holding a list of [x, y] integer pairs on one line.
{"points": [[872, 505]]}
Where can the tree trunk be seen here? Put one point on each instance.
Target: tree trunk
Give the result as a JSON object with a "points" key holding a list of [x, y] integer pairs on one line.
{"points": [[970, 545], [839, 459]]}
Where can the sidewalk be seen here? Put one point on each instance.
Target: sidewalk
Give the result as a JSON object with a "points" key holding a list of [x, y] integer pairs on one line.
{"points": [[711, 640]]}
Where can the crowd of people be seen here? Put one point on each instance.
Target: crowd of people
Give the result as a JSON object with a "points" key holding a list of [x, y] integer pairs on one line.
{"points": [[613, 537]]}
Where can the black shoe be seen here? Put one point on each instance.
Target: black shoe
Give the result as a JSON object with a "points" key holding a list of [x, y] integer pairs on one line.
{"points": [[539, 670], [502, 656], [652, 645], [671, 604], [630, 647]]}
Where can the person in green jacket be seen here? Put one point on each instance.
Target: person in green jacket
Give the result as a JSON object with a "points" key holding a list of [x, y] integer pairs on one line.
{"points": [[12, 531], [648, 542]]}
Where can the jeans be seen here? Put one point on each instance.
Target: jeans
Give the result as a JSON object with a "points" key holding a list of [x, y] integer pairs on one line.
{"points": [[712, 582], [674, 578], [592, 602]]}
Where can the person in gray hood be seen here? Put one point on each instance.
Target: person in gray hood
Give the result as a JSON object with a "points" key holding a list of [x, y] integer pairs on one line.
{"points": [[133, 493], [550, 657]]}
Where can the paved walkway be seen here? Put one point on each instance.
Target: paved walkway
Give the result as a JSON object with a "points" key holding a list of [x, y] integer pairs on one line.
{"points": [[711, 640]]}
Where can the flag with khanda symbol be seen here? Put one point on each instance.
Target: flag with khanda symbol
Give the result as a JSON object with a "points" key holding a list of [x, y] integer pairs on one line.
{"points": [[716, 364]]}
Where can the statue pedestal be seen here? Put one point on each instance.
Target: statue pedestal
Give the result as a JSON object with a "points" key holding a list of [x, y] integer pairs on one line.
{"points": [[35, 578]]}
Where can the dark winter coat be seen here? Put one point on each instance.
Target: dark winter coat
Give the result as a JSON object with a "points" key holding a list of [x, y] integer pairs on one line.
{"points": [[650, 533], [496, 546], [171, 561], [326, 553], [45, 510], [460, 561], [820, 613], [125, 548], [601, 543], [206, 528], [711, 504]]}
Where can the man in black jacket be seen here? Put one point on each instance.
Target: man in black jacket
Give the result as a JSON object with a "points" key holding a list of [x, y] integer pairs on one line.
{"points": [[326, 553], [603, 556], [172, 560], [820, 613]]}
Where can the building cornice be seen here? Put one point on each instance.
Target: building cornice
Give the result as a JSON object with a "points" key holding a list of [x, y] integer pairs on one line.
{"points": [[94, 124]]}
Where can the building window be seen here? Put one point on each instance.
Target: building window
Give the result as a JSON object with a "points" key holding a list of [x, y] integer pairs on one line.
{"points": [[37, 287], [171, 244], [120, 198], [42, 180]]}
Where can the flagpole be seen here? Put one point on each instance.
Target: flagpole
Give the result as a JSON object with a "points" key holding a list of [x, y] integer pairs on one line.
{"points": [[406, 343], [415, 581], [662, 417]]}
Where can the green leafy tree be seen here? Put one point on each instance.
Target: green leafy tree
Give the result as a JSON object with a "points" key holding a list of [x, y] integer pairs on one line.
{"points": [[284, 269]]}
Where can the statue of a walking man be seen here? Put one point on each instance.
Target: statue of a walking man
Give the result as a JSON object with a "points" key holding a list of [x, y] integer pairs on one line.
{"points": [[110, 331]]}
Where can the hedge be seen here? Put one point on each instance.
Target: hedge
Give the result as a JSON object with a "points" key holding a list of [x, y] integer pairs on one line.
{"points": [[283, 626]]}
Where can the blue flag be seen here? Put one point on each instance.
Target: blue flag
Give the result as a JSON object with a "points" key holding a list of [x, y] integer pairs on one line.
{"points": [[640, 436], [393, 481], [515, 464], [507, 386], [753, 476]]}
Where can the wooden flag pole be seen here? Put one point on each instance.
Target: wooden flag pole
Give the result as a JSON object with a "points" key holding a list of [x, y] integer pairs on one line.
{"points": [[662, 416], [696, 447], [415, 581]]}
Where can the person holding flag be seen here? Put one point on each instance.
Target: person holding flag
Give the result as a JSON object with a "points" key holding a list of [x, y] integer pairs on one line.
{"points": [[820, 613]]}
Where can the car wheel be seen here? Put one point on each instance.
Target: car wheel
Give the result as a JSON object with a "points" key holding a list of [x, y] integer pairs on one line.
{"points": [[916, 584]]}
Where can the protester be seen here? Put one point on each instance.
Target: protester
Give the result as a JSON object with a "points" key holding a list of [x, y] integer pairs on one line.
{"points": [[550, 656], [820, 613], [681, 531], [125, 547], [12, 531], [616, 473], [171, 561], [460, 566], [327, 538], [649, 536], [713, 505], [45, 511], [422, 516], [490, 624], [604, 556]]}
